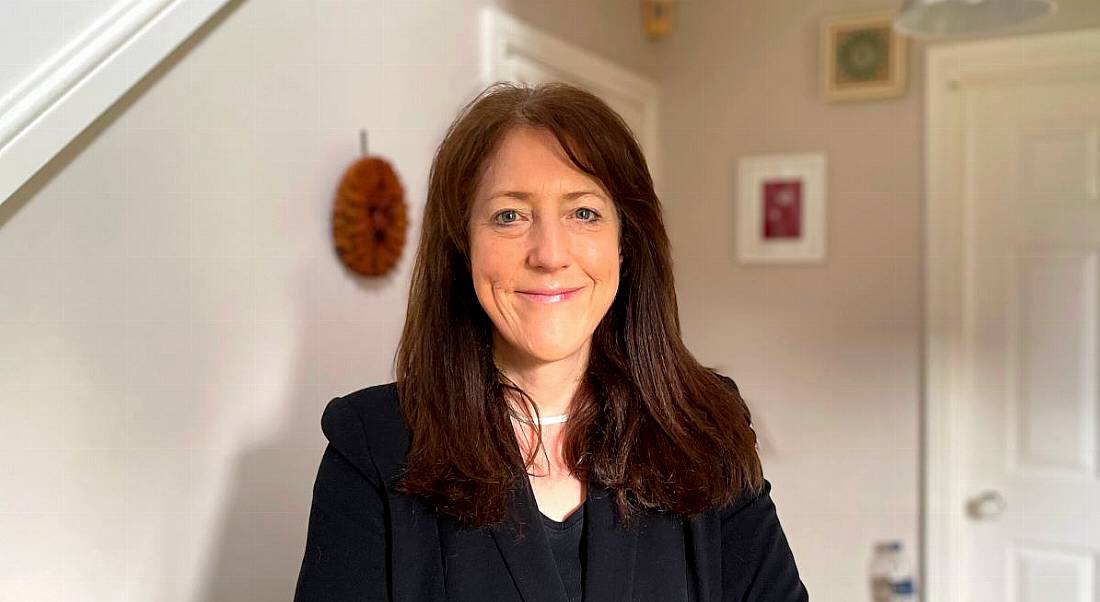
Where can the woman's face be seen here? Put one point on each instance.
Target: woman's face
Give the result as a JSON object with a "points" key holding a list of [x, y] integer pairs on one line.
{"points": [[540, 228]]}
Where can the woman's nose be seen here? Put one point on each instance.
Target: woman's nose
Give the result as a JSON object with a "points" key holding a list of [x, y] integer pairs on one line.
{"points": [[549, 245]]}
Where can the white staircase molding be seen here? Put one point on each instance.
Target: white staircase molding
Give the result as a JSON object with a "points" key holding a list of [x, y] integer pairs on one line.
{"points": [[50, 107]]}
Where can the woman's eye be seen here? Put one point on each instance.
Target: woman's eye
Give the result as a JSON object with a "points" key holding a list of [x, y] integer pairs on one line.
{"points": [[510, 216], [588, 215], [503, 217]]}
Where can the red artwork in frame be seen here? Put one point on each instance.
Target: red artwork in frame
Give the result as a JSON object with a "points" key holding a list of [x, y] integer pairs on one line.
{"points": [[782, 211], [781, 208]]}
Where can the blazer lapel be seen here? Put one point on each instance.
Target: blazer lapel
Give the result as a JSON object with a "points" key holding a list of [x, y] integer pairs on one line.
{"points": [[609, 561], [416, 551], [526, 550], [415, 540], [704, 532]]}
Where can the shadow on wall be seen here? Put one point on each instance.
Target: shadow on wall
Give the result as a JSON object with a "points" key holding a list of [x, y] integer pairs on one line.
{"points": [[257, 552], [257, 545]]}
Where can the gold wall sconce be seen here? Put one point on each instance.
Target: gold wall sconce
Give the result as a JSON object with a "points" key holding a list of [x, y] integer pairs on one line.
{"points": [[657, 17]]}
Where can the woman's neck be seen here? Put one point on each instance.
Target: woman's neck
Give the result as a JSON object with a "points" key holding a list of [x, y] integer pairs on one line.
{"points": [[551, 385]]}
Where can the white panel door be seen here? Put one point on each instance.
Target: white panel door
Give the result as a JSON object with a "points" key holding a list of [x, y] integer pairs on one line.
{"points": [[1031, 291]]}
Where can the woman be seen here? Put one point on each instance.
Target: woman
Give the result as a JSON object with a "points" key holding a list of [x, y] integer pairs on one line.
{"points": [[548, 436]]}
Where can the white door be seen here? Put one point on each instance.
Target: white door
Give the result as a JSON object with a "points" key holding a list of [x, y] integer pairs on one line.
{"points": [[515, 51], [1027, 465]]}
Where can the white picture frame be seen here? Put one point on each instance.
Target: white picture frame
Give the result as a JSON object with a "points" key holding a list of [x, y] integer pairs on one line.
{"points": [[790, 189]]}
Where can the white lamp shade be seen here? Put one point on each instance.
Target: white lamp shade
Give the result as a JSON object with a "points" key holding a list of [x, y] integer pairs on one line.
{"points": [[948, 17]]}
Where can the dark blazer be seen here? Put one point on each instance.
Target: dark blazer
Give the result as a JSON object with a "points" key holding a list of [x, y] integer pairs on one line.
{"points": [[367, 542]]}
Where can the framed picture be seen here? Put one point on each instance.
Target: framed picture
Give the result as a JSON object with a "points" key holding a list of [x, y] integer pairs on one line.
{"points": [[781, 209], [862, 57]]}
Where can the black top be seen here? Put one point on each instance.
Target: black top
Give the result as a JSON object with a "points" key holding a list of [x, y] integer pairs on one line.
{"points": [[367, 541], [567, 542]]}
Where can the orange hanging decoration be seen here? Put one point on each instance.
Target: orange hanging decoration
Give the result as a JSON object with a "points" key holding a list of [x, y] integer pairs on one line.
{"points": [[368, 217]]}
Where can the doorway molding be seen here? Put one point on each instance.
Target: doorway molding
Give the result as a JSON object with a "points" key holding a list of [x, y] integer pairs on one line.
{"points": [[510, 46]]}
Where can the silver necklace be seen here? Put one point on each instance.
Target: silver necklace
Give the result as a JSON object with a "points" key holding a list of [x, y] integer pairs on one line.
{"points": [[560, 418]]}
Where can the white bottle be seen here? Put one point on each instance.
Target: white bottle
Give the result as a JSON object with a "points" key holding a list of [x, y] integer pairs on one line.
{"points": [[891, 575]]}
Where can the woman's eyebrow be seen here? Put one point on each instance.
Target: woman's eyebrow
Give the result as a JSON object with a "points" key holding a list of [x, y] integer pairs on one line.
{"points": [[525, 196]]}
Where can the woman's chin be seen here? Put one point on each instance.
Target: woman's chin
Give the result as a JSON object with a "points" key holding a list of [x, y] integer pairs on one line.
{"points": [[553, 351]]}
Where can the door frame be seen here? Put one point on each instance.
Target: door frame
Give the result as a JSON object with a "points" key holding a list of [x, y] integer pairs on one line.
{"points": [[504, 37], [951, 69]]}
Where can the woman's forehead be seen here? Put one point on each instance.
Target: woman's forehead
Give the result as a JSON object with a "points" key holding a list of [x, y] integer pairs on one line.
{"points": [[531, 183], [529, 147]]}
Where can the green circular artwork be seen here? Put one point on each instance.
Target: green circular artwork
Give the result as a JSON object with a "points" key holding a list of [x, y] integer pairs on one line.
{"points": [[862, 54]]}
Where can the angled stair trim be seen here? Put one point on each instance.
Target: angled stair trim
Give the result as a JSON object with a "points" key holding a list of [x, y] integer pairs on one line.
{"points": [[52, 105]]}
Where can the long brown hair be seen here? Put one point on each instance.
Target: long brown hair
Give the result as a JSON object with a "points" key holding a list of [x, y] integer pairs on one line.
{"points": [[648, 421]]}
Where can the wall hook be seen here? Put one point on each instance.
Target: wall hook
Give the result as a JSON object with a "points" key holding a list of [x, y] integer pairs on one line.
{"points": [[363, 142]]}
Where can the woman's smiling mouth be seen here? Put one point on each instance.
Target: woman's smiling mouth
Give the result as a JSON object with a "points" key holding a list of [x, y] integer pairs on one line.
{"points": [[545, 296]]}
